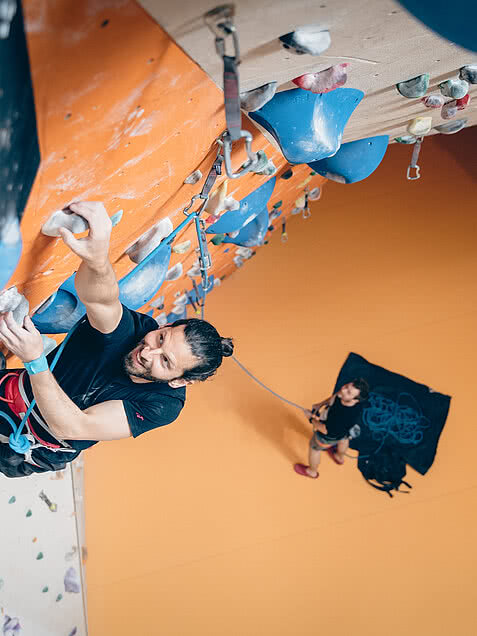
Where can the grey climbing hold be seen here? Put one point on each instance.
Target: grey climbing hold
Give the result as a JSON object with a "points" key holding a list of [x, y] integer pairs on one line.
{"points": [[451, 127], [257, 97], [312, 39], [116, 218], [194, 270], [174, 273], [415, 87], [449, 110], [244, 252], [63, 218], [149, 240], [454, 88], [12, 300], [193, 178], [433, 101], [469, 73], [71, 581], [11, 626]]}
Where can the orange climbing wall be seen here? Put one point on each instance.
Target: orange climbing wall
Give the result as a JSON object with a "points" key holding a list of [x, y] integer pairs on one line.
{"points": [[203, 528], [124, 116]]}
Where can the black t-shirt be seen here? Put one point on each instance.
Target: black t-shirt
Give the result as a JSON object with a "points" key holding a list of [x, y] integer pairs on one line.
{"points": [[90, 371], [341, 419]]}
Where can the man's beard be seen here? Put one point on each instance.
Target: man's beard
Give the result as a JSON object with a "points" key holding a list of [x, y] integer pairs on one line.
{"points": [[130, 369]]}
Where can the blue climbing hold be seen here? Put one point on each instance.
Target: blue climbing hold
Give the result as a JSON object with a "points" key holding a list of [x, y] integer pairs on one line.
{"points": [[143, 282], [456, 22], [250, 206], [354, 161], [61, 311], [253, 233], [308, 126]]}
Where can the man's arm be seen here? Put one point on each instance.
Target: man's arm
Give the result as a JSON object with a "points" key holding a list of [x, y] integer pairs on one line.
{"points": [[104, 421], [95, 280]]}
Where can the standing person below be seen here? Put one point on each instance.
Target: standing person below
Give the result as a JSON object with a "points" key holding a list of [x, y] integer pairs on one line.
{"points": [[118, 376], [331, 426]]}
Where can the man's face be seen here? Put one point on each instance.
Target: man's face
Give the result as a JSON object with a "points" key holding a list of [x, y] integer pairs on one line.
{"points": [[162, 356], [349, 393]]}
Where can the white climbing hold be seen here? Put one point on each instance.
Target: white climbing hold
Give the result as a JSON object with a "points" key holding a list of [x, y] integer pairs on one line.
{"points": [[238, 260], [244, 252], [420, 126], [161, 319], [10, 228], [193, 178], [215, 204], [48, 344], [406, 139], [297, 211], [233, 235], [257, 97], [116, 218], [181, 300], [433, 101], [149, 240], [315, 194], [217, 282], [194, 270], [157, 302], [231, 204], [12, 300], [324, 81], [312, 39], [182, 248], [175, 272], [62, 218]]}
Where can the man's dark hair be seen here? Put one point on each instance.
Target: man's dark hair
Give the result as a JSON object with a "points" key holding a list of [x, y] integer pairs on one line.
{"points": [[363, 388], [206, 345]]}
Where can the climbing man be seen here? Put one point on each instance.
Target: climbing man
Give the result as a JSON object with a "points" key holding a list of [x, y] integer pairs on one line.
{"points": [[332, 421], [118, 376]]}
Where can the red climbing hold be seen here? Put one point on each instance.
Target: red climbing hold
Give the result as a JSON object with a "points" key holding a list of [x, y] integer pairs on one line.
{"points": [[463, 102], [324, 81]]}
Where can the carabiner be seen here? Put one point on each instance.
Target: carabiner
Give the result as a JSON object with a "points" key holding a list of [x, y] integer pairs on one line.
{"points": [[220, 22], [226, 143]]}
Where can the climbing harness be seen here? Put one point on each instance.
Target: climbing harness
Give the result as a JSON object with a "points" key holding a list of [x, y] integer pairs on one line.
{"points": [[414, 165], [16, 397], [221, 24]]}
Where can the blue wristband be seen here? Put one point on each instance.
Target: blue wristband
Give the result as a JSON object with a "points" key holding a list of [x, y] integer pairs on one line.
{"points": [[37, 366]]}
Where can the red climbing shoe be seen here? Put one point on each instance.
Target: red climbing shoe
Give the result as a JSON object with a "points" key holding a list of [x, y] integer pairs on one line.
{"points": [[301, 470], [332, 453]]}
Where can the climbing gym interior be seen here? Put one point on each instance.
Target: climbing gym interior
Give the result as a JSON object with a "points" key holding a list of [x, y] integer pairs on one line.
{"points": [[303, 176]]}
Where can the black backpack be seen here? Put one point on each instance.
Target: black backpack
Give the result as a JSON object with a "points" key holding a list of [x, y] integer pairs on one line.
{"points": [[387, 468]]}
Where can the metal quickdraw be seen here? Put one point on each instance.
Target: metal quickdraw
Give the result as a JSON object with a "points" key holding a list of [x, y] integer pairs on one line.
{"points": [[220, 22], [306, 208], [414, 165]]}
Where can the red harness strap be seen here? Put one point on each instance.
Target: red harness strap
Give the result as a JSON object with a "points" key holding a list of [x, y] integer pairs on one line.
{"points": [[18, 406]]}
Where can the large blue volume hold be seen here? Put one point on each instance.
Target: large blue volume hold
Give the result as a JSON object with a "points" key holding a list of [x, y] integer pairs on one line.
{"points": [[354, 161], [308, 126]]}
